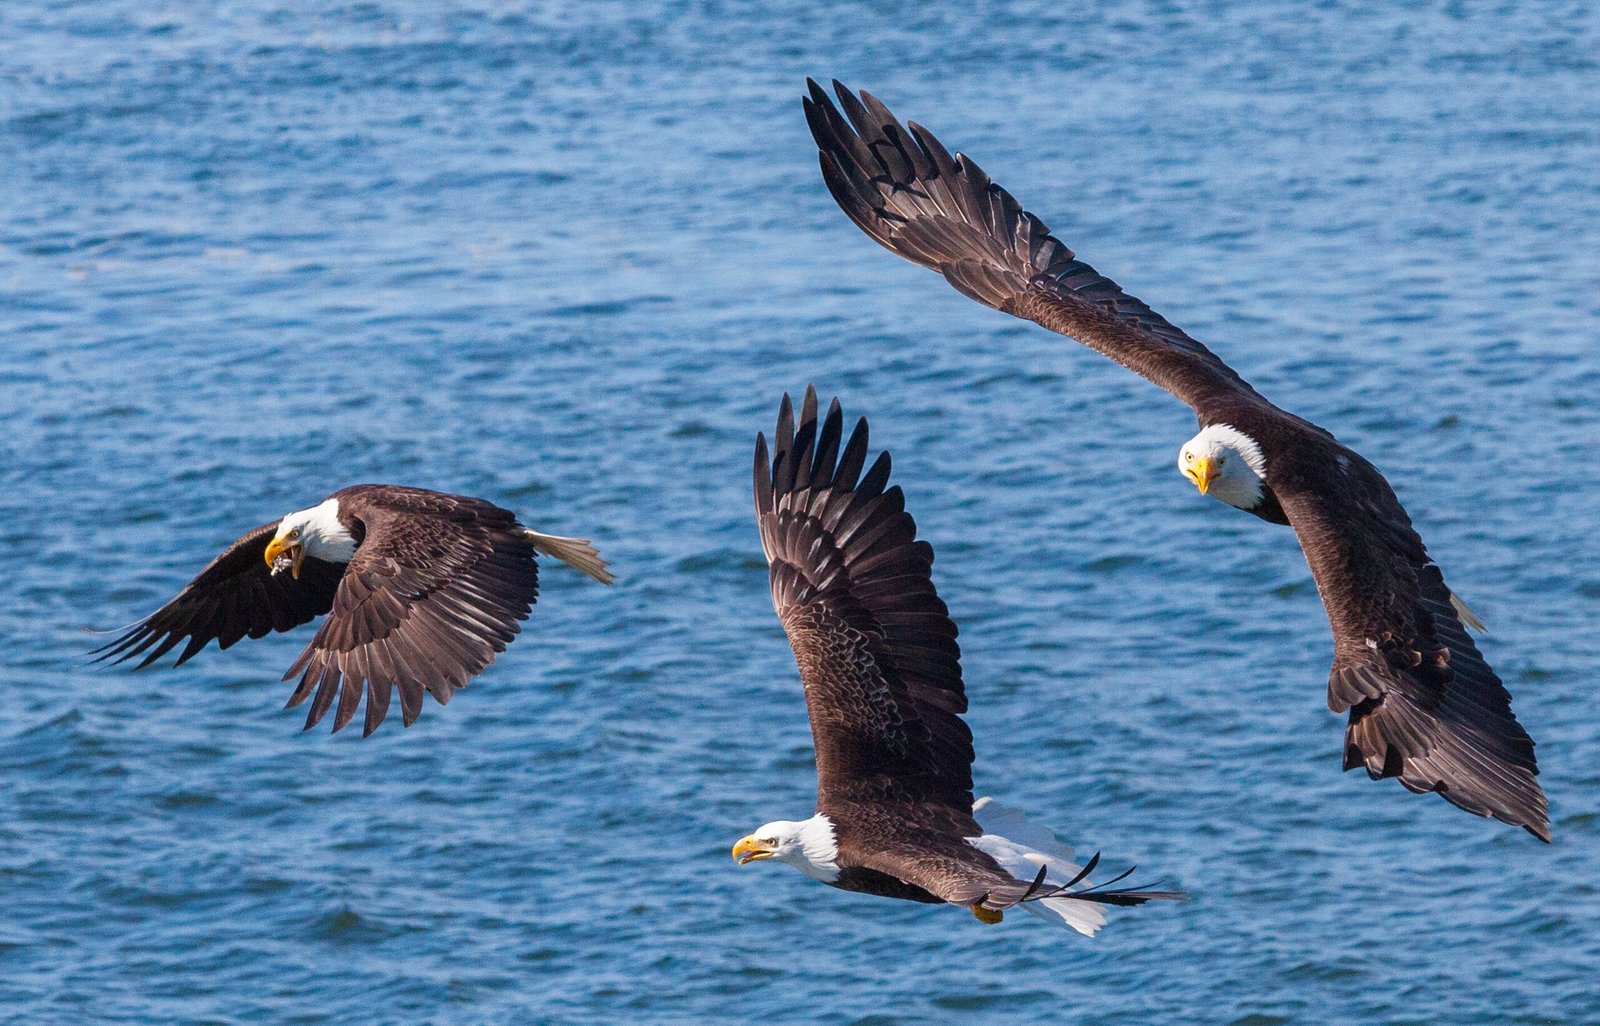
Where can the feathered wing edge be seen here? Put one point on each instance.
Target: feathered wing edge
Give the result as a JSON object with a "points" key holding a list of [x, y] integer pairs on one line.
{"points": [[883, 679], [1461, 741], [409, 633], [902, 187], [234, 597]]}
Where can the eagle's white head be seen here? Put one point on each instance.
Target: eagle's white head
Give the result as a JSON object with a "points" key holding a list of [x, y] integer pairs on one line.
{"points": [[314, 532], [1226, 464], [810, 846]]}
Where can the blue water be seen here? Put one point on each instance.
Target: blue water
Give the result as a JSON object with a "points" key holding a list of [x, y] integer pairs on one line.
{"points": [[567, 257]]}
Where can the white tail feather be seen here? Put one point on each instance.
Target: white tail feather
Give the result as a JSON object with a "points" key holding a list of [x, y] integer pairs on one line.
{"points": [[577, 553], [1468, 617], [1021, 847]]}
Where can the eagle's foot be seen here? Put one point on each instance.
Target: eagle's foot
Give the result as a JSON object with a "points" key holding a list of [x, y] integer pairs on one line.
{"points": [[987, 916]]}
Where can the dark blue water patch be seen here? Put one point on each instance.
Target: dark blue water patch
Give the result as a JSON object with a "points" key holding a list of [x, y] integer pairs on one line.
{"points": [[568, 259]]}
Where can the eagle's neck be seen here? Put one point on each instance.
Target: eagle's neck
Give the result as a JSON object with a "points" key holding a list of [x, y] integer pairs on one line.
{"points": [[817, 850], [323, 534]]}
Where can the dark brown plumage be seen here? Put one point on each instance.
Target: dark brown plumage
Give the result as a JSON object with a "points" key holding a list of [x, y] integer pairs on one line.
{"points": [[435, 587], [1424, 706], [881, 669]]}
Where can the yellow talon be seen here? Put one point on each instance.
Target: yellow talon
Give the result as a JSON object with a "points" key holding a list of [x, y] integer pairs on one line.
{"points": [[988, 916]]}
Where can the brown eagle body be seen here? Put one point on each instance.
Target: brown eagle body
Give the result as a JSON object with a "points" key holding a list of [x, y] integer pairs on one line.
{"points": [[878, 658], [423, 590], [1424, 705]]}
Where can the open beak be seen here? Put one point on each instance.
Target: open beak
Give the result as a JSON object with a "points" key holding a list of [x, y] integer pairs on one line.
{"points": [[278, 546], [1200, 474], [751, 850]]}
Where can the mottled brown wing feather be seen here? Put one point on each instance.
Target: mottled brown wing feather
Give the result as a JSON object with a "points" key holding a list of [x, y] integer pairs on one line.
{"points": [[939, 863], [875, 645], [436, 589], [1424, 706], [235, 596], [905, 190]]}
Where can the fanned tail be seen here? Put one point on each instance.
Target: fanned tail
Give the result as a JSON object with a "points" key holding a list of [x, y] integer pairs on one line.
{"points": [[1468, 617], [577, 553], [1028, 851]]}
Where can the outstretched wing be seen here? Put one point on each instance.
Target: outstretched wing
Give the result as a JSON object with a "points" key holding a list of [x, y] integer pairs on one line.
{"points": [[235, 596], [435, 590], [875, 645], [904, 189], [1424, 706], [1445, 727]]}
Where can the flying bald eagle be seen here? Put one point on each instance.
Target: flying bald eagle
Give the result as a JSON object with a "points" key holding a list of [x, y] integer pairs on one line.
{"points": [[878, 657], [424, 589], [1424, 706]]}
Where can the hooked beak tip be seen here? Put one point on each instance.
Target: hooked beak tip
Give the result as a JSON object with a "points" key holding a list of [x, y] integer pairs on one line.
{"points": [[277, 547]]}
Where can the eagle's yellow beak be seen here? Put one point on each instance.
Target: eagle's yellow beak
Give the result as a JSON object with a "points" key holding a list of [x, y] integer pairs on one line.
{"points": [[751, 850], [278, 546], [1200, 473]]}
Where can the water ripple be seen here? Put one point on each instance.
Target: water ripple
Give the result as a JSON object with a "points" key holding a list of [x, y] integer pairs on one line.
{"points": [[568, 258]]}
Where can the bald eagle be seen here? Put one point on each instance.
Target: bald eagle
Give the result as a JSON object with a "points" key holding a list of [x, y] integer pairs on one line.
{"points": [[1424, 707], [878, 657], [423, 589]]}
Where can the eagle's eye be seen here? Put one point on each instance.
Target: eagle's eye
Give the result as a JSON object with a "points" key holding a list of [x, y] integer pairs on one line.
{"points": [[770, 842], [1188, 456], [294, 534]]}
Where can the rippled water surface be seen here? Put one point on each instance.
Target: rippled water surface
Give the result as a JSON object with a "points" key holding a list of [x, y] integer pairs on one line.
{"points": [[568, 257]]}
